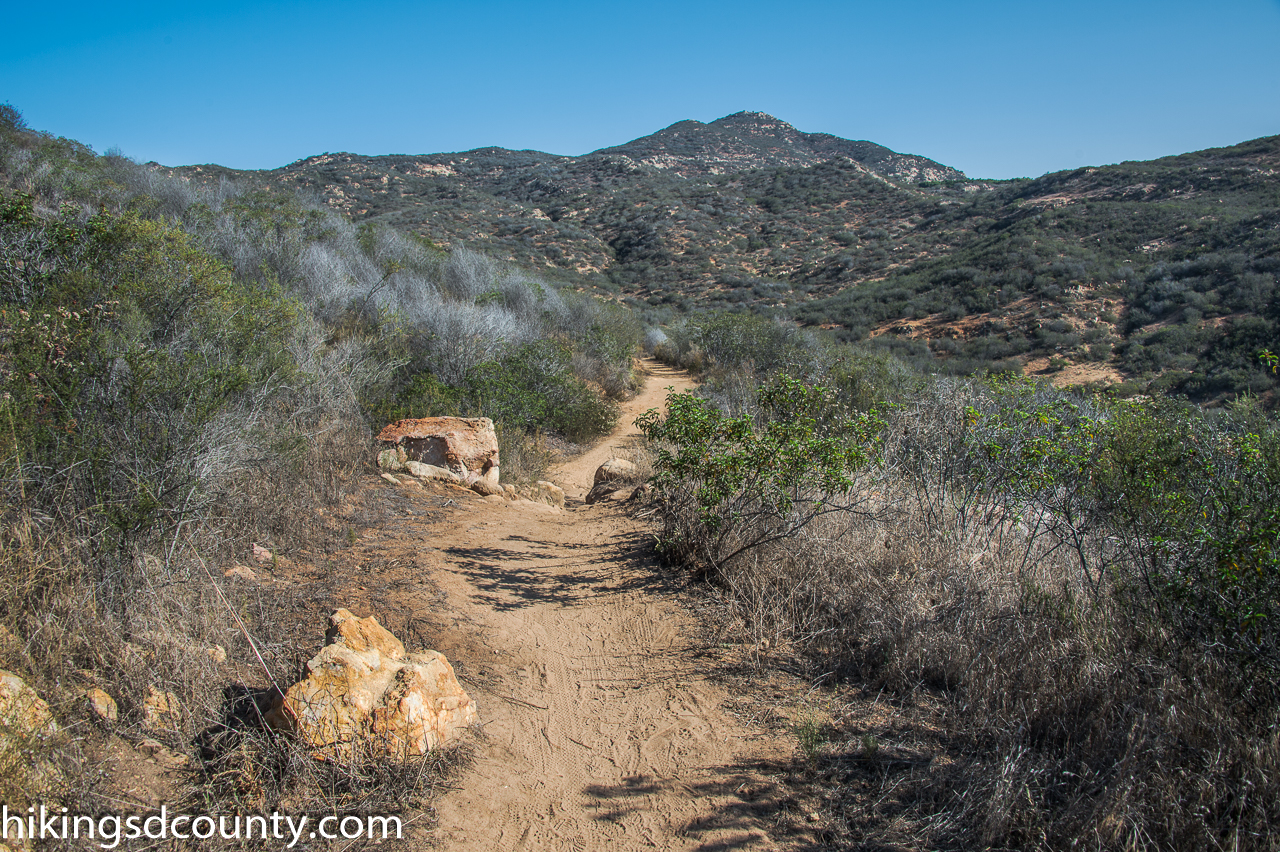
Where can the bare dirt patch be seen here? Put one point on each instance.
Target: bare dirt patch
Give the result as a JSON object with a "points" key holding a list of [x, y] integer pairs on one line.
{"points": [[1075, 374]]}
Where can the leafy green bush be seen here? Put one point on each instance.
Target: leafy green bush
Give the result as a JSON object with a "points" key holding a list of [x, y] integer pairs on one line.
{"points": [[1197, 505], [1085, 586], [534, 388], [732, 484]]}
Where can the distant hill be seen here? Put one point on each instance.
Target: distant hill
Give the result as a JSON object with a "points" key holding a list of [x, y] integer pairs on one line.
{"points": [[1164, 271], [1157, 272], [746, 141], [638, 216]]}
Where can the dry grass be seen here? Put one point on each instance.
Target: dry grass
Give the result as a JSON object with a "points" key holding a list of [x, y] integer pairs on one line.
{"points": [[525, 456], [1059, 718], [72, 617], [1035, 706]]}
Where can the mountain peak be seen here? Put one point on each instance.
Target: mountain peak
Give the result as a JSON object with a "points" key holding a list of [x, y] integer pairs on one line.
{"points": [[748, 115], [756, 140]]}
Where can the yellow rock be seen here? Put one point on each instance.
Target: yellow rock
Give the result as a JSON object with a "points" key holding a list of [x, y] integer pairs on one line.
{"points": [[161, 709], [102, 705], [362, 691], [28, 770]]}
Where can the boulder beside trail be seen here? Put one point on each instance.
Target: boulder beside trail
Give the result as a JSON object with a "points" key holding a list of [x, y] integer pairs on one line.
{"points": [[614, 470], [464, 446], [611, 476], [364, 694]]}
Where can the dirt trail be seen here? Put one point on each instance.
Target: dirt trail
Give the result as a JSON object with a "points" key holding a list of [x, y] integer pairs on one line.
{"points": [[576, 475], [601, 727]]}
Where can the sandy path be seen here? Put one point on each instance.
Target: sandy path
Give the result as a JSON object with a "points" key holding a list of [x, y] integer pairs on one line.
{"points": [[575, 476], [601, 728]]}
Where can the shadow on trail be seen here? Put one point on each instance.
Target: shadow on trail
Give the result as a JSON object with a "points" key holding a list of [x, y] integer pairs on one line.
{"points": [[886, 802], [536, 572], [753, 795], [905, 793]]}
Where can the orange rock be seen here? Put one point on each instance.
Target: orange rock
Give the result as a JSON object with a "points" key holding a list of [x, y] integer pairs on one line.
{"points": [[102, 705], [361, 634], [28, 743], [466, 446], [160, 709]]}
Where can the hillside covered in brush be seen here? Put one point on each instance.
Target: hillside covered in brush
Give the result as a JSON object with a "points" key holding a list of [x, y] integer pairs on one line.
{"points": [[1161, 274]]}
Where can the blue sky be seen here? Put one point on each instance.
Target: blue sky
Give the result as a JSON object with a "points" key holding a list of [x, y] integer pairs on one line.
{"points": [[997, 89]]}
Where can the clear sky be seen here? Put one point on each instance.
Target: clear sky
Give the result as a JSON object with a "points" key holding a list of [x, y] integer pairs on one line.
{"points": [[996, 89]]}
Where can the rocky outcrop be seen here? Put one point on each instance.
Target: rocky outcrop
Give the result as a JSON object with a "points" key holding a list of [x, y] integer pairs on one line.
{"points": [[464, 446], [364, 694]]}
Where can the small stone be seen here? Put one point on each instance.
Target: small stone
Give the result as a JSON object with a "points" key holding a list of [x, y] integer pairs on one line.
{"points": [[390, 460], [150, 747], [389, 478], [486, 488], [549, 493], [243, 572], [102, 705], [161, 709], [261, 555], [422, 470], [601, 491], [217, 653]]}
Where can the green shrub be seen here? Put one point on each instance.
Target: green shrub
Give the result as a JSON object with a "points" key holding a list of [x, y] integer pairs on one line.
{"points": [[423, 396], [732, 484], [1197, 505], [123, 365], [533, 388]]}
